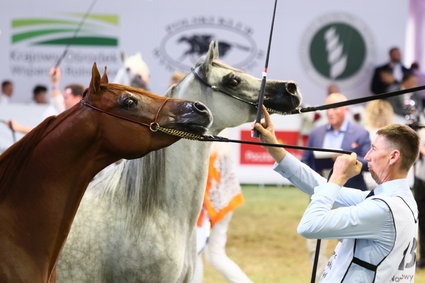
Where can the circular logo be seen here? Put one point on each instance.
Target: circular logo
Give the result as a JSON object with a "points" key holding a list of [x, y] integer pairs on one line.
{"points": [[188, 40], [337, 48]]}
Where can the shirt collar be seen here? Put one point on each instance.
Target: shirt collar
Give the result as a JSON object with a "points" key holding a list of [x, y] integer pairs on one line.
{"points": [[343, 128], [392, 188]]}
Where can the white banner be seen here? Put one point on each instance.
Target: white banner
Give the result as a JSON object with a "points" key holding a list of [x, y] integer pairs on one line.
{"points": [[315, 43]]}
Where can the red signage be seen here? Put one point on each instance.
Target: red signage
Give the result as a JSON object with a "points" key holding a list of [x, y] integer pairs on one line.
{"points": [[257, 155]]}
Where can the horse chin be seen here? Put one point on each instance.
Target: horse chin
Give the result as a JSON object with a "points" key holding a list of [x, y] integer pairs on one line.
{"points": [[291, 104]]}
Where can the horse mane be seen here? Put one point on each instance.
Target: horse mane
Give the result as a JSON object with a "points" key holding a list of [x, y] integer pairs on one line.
{"points": [[16, 156], [134, 185]]}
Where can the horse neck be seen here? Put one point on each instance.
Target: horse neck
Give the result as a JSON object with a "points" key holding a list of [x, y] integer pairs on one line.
{"points": [[52, 182], [187, 162]]}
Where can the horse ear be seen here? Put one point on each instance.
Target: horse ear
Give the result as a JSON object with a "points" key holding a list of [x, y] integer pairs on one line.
{"points": [[216, 53], [209, 57], [104, 79], [95, 79]]}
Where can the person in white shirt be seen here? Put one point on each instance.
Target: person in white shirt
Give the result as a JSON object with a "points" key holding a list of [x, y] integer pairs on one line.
{"points": [[377, 230], [6, 91], [73, 93], [59, 102]]}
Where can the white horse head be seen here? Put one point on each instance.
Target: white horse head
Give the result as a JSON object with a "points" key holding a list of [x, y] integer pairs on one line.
{"points": [[223, 86], [137, 223], [134, 72]]}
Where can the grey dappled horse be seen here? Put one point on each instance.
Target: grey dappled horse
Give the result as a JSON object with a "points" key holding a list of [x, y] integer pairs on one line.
{"points": [[136, 223]]}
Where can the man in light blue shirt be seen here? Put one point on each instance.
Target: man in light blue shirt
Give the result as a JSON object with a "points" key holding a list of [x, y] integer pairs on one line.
{"points": [[377, 233], [338, 133]]}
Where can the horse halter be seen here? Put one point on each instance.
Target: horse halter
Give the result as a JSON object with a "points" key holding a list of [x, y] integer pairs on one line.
{"points": [[153, 126], [216, 88]]}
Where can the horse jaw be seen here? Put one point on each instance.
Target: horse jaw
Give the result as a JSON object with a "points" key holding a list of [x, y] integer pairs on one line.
{"points": [[226, 111]]}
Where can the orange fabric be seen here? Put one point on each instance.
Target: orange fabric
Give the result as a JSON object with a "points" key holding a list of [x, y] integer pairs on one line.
{"points": [[207, 207]]}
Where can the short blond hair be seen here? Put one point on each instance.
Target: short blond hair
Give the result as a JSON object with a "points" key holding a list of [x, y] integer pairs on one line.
{"points": [[176, 77], [378, 113]]}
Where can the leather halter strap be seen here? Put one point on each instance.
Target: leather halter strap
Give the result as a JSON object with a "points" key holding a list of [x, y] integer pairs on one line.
{"points": [[153, 126], [216, 88]]}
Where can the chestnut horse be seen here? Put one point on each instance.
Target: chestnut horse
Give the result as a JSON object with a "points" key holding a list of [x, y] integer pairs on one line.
{"points": [[44, 176]]}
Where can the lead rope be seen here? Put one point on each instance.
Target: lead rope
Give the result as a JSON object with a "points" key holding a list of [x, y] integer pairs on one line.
{"points": [[190, 136]]}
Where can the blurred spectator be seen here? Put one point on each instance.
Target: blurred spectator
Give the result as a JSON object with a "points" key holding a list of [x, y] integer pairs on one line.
{"points": [[378, 114], [176, 77], [386, 75], [333, 88], [39, 94], [408, 105], [338, 133], [6, 91], [73, 93], [415, 68], [16, 127]]}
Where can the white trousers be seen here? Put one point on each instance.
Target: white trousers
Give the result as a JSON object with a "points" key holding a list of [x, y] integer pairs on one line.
{"points": [[215, 255]]}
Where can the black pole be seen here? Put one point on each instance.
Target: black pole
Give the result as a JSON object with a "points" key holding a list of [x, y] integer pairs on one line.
{"points": [[75, 34], [255, 133], [316, 261]]}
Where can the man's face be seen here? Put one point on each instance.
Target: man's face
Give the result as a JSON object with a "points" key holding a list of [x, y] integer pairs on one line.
{"points": [[40, 98], [395, 55], [70, 99], [335, 116], [8, 89], [378, 158]]}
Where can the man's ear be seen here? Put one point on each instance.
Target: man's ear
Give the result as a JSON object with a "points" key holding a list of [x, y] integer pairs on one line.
{"points": [[395, 156]]}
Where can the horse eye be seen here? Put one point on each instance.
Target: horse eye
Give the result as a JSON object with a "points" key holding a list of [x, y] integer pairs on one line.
{"points": [[231, 80], [129, 102]]}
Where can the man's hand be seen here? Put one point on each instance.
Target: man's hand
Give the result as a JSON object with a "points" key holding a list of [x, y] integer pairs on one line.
{"points": [[55, 76], [345, 167], [267, 135]]}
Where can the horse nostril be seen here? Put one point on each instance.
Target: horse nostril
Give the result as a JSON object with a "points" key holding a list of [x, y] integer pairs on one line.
{"points": [[200, 107], [291, 88]]}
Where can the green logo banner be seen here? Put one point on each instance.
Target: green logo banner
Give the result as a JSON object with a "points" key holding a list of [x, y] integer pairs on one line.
{"points": [[96, 31]]}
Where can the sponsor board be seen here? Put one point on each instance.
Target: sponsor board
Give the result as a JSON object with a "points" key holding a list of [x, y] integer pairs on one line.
{"points": [[187, 39], [338, 48], [257, 155]]}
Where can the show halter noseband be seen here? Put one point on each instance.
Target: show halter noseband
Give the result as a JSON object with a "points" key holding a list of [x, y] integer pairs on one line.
{"points": [[153, 126], [195, 72]]}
